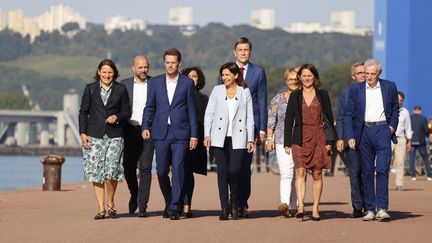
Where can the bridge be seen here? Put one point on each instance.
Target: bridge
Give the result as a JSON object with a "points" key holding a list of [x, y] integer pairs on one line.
{"points": [[45, 128]]}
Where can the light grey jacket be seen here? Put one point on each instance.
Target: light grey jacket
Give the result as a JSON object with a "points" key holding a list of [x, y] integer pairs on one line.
{"points": [[216, 118]]}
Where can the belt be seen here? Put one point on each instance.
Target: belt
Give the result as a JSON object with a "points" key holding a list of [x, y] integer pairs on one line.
{"points": [[375, 123]]}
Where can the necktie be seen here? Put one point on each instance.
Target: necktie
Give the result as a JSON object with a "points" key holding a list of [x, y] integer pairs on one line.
{"points": [[241, 71]]}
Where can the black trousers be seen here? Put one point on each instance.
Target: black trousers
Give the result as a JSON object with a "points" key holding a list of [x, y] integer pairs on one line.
{"points": [[229, 163], [138, 153]]}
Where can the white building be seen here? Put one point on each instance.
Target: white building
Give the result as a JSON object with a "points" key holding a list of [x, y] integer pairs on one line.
{"points": [[25, 26], [57, 16], [340, 22], [180, 16], [263, 19], [304, 27], [123, 23], [343, 21]]}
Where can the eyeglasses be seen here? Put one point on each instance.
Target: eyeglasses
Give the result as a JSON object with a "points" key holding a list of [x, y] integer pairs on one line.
{"points": [[292, 80]]}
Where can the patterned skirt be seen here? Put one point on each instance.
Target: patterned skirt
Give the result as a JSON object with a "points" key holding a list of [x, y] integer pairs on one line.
{"points": [[102, 161]]}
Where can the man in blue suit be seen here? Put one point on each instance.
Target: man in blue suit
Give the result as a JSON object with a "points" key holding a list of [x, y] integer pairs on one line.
{"points": [[256, 80], [352, 162], [171, 115], [370, 120]]}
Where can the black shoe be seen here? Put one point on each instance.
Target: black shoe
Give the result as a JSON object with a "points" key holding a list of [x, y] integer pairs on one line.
{"points": [[316, 218], [235, 211], [188, 214], [166, 213], [174, 215], [142, 213], [100, 215], [133, 205], [292, 213], [112, 212], [224, 214], [357, 213]]}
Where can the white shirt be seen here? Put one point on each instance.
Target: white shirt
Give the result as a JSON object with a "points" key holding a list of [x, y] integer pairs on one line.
{"points": [[245, 68], [374, 110], [171, 87], [231, 103], [404, 125], [139, 101]]}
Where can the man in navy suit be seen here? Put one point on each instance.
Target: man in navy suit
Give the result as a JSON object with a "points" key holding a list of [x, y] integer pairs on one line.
{"points": [[370, 121], [256, 80], [170, 116], [136, 148], [352, 162]]}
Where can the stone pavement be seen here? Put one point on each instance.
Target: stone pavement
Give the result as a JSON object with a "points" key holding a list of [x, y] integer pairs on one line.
{"points": [[67, 216]]}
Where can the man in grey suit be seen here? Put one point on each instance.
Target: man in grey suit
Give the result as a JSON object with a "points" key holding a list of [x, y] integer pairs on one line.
{"points": [[137, 149], [352, 162]]}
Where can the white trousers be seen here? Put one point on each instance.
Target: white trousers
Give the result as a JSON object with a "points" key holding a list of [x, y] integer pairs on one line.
{"points": [[287, 177], [399, 157]]}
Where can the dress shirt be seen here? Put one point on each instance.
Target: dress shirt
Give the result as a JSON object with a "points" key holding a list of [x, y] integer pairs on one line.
{"points": [[231, 103], [374, 111], [171, 86], [404, 125], [139, 101], [245, 69]]}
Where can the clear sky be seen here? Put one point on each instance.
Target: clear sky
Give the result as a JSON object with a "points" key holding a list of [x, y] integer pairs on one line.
{"points": [[228, 12]]}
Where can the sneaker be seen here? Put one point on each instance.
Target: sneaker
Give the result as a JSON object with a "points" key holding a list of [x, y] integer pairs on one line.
{"points": [[399, 188], [382, 215], [369, 216], [413, 178], [429, 178]]}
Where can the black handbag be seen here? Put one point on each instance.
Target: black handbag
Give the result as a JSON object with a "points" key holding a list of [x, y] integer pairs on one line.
{"points": [[329, 130]]}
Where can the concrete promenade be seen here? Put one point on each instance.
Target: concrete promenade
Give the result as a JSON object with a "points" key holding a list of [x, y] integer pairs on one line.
{"points": [[67, 216]]}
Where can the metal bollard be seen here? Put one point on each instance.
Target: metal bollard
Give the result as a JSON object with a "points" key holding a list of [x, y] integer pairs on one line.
{"points": [[51, 180]]}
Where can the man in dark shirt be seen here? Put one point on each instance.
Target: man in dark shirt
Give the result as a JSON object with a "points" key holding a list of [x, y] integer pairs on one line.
{"points": [[419, 126]]}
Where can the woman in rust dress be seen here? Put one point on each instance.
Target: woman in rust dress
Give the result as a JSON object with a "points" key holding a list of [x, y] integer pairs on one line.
{"points": [[304, 135]]}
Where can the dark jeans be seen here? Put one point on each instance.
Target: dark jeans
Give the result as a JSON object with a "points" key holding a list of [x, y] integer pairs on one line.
{"points": [[424, 155], [138, 152], [228, 162]]}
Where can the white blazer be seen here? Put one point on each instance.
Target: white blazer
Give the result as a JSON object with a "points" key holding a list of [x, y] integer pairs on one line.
{"points": [[216, 118]]}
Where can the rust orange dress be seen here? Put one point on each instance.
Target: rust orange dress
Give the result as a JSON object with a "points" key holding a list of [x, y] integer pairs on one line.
{"points": [[311, 154]]}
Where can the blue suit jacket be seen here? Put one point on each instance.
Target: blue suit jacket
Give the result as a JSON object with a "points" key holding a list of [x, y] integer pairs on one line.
{"points": [[182, 111], [355, 110], [342, 104], [257, 83]]}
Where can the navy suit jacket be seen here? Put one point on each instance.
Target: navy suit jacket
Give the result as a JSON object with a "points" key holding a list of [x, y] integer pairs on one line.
{"points": [[342, 104], [355, 110], [182, 111], [257, 83]]}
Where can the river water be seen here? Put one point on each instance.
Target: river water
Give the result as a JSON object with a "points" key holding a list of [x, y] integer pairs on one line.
{"points": [[18, 172]]}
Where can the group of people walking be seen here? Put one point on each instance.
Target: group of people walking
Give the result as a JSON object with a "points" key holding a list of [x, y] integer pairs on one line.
{"points": [[169, 115]]}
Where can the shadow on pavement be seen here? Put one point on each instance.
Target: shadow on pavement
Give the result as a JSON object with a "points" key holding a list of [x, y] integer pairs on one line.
{"points": [[398, 215]]}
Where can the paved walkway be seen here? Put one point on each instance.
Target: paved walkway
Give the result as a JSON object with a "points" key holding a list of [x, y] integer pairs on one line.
{"points": [[67, 216]]}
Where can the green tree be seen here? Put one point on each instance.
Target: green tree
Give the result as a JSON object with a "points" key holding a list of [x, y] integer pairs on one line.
{"points": [[13, 101]]}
